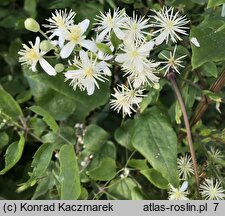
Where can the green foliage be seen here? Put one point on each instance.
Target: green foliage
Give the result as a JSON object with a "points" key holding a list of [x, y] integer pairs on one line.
{"points": [[213, 3], [42, 159], [121, 189], [155, 178], [8, 106], [210, 45], [160, 152], [59, 99], [69, 173], [95, 137], [13, 154], [46, 117], [105, 171]]}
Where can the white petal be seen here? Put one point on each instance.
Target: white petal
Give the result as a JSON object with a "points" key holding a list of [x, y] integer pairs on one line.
{"points": [[148, 46], [102, 35], [119, 33], [121, 58], [61, 41], [67, 50], [139, 66], [107, 71], [184, 186], [84, 25], [137, 83], [33, 67], [47, 67], [37, 42], [72, 74], [160, 38], [195, 41], [88, 44], [90, 86], [84, 58], [101, 65]]}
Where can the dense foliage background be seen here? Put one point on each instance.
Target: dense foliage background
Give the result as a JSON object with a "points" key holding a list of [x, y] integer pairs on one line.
{"points": [[56, 143]]}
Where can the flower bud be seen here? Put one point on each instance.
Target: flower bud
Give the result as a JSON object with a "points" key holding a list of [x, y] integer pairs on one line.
{"points": [[59, 68], [156, 86], [31, 25], [45, 45]]}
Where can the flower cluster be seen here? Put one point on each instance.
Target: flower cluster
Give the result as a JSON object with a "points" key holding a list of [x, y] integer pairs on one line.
{"points": [[120, 39]]}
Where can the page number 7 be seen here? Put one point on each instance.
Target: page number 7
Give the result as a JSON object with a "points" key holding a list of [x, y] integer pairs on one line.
{"points": [[216, 205]]}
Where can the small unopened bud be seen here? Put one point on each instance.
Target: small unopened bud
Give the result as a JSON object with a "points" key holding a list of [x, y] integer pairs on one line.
{"points": [[31, 25], [45, 45], [59, 67], [156, 86]]}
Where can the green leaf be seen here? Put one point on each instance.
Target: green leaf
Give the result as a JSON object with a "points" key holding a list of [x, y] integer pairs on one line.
{"points": [[136, 194], [121, 189], [210, 42], [210, 69], [201, 2], [60, 100], [4, 140], [69, 176], [105, 171], [104, 48], [150, 98], [42, 187], [155, 139], [49, 120], [106, 151], [138, 164], [9, 106], [59, 139], [38, 125], [213, 3], [13, 154], [30, 7], [95, 137], [115, 40], [83, 194], [123, 134], [189, 94], [212, 96], [42, 159], [155, 178], [128, 1], [24, 96]]}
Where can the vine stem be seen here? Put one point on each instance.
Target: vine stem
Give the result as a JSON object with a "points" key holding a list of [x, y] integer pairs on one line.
{"points": [[172, 78]]}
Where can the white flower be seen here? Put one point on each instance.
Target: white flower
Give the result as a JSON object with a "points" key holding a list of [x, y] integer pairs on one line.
{"points": [[136, 27], [74, 35], [135, 55], [172, 63], [32, 55], [179, 193], [87, 73], [145, 77], [185, 166], [169, 24], [59, 23], [107, 23], [211, 189], [126, 99], [215, 154]]}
